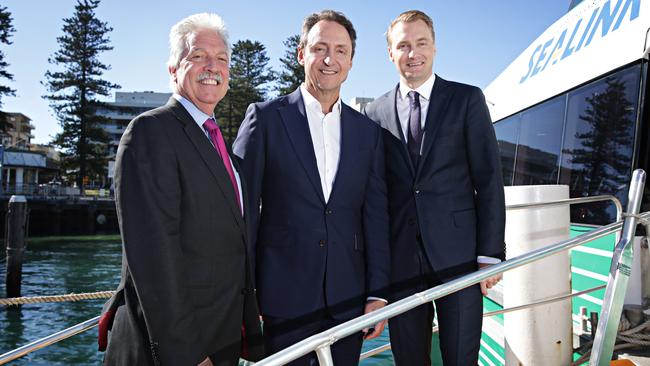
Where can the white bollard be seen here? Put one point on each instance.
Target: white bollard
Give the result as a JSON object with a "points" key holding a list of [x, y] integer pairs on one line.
{"points": [[540, 335]]}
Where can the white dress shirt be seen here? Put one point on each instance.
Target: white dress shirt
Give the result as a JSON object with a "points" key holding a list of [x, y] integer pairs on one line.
{"points": [[325, 130], [403, 112], [199, 117]]}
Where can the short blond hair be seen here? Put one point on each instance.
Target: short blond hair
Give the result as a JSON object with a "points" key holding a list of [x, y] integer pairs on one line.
{"points": [[409, 17]]}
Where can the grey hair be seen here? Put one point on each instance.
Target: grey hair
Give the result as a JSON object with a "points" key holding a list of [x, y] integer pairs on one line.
{"points": [[178, 36]]}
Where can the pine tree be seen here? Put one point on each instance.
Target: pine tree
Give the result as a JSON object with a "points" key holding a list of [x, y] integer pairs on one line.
{"points": [[249, 79], [602, 154], [6, 29], [293, 73], [74, 92]]}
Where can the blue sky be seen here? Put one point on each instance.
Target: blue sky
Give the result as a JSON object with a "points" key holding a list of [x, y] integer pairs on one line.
{"points": [[476, 40]]}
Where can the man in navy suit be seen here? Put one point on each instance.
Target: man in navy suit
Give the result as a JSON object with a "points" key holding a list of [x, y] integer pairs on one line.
{"points": [[316, 166], [446, 199]]}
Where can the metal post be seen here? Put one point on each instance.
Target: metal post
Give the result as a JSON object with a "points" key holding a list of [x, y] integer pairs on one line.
{"points": [[15, 241], [325, 356], [619, 275]]}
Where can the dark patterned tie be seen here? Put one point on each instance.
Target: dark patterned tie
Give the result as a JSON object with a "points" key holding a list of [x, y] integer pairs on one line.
{"points": [[415, 127]]}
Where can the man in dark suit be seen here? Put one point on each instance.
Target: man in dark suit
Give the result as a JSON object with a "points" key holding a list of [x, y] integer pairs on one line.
{"points": [[317, 168], [186, 296], [446, 199]]}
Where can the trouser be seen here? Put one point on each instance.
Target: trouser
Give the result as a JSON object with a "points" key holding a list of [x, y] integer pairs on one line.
{"points": [[281, 333], [460, 318]]}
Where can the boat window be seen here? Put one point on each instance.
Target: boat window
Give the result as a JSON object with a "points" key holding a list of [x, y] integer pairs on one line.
{"points": [[540, 138], [507, 131], [599, 141]]}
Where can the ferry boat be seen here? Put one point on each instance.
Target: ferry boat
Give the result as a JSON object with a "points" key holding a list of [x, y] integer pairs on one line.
{"points": [[572, 109]]}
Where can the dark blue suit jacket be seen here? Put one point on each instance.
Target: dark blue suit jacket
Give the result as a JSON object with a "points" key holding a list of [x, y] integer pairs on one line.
{"points": [[453, 200], [312, 255]]}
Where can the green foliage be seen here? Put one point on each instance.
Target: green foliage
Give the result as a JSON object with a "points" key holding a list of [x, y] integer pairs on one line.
{"points": [[293, 73], [6, 30], [74, 91], [249, 79]]}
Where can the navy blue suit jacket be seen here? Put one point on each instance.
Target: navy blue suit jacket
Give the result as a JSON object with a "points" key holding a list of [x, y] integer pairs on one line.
{"points": [[453, 200], [310, 254]]}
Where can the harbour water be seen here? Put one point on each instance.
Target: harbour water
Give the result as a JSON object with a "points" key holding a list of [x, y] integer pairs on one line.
{"points": [[74, 265]]}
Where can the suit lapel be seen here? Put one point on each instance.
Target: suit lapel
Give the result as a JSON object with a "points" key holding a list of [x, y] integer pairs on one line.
{"points": [[210, 157], [438, 101], [346, 155], [295, 122], [393, 125]]}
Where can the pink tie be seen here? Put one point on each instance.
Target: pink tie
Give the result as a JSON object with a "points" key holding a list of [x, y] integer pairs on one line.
{"points": [[220, 145]]}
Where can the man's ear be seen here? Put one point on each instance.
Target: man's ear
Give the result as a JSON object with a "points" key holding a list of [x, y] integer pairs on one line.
{"points": [[301, 56], [172, 72]]}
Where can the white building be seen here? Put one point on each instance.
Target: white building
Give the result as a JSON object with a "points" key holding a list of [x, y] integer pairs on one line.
{"points": [[126, 107], [359, 103]]}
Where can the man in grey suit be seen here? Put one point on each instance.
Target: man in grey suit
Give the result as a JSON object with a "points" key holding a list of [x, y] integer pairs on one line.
{"points": [[445, 194], [185, 297]]}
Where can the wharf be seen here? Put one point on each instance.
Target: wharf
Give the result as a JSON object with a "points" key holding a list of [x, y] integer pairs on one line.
{"points": [[66, 215]]}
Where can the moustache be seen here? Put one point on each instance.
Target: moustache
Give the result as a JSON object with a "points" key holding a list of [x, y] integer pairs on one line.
{"points": [[207, 75]]}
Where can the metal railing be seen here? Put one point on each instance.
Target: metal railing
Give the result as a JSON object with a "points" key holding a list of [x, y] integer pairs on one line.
{"points": [[320, 343], [51, 339]]}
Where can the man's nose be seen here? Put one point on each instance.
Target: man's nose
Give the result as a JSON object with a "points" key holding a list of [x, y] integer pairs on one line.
{"points": [[211, 64], [328, 60]]}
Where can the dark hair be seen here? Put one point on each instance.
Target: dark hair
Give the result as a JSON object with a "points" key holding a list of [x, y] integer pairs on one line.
{"points": [[408, 17], [329, 15]]}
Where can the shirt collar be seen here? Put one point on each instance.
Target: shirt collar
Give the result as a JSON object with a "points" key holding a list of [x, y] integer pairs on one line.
{"points": [[313, 104], [424, 90], [197, 115]]}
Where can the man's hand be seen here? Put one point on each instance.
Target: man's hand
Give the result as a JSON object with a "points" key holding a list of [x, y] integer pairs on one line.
{"points": [[490, 281], [206, 362], [371, 333]]}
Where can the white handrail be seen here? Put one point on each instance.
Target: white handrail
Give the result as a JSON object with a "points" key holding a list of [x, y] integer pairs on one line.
{"points": [[321, 342]]}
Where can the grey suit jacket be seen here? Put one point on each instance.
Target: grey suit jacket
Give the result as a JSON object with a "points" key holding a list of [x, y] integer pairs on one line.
{"points": [[185, 287]]}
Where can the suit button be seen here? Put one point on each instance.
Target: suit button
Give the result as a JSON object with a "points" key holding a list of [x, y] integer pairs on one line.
{"points": [[411, 221], [329, 212], [417, 190], [321, 243]]}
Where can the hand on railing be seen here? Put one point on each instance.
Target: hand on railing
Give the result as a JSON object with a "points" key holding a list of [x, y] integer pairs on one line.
{"points": [[371, 333], [490, 281], [206, 362]]}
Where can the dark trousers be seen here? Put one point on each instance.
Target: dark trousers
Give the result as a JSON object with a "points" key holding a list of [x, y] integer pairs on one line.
{"points": [[282, 333], [460, 318]]}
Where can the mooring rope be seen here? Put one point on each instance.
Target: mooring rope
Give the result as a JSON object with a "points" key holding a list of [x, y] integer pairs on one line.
{"points": [[629, 338], [57, 298]]}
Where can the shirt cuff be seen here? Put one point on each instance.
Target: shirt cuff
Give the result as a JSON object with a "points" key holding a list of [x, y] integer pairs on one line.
{"points": [[372, 298], [488, 260]]}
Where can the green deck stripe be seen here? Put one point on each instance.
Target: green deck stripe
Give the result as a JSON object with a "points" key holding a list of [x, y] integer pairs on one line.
{"points": [[498, 347], [590, 262], [604, 243], [578, 302], [581, 283]]}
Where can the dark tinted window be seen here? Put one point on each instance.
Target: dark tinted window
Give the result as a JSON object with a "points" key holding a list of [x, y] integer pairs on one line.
{"points": [[598, 143], [540, 138], [507, 131]]}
